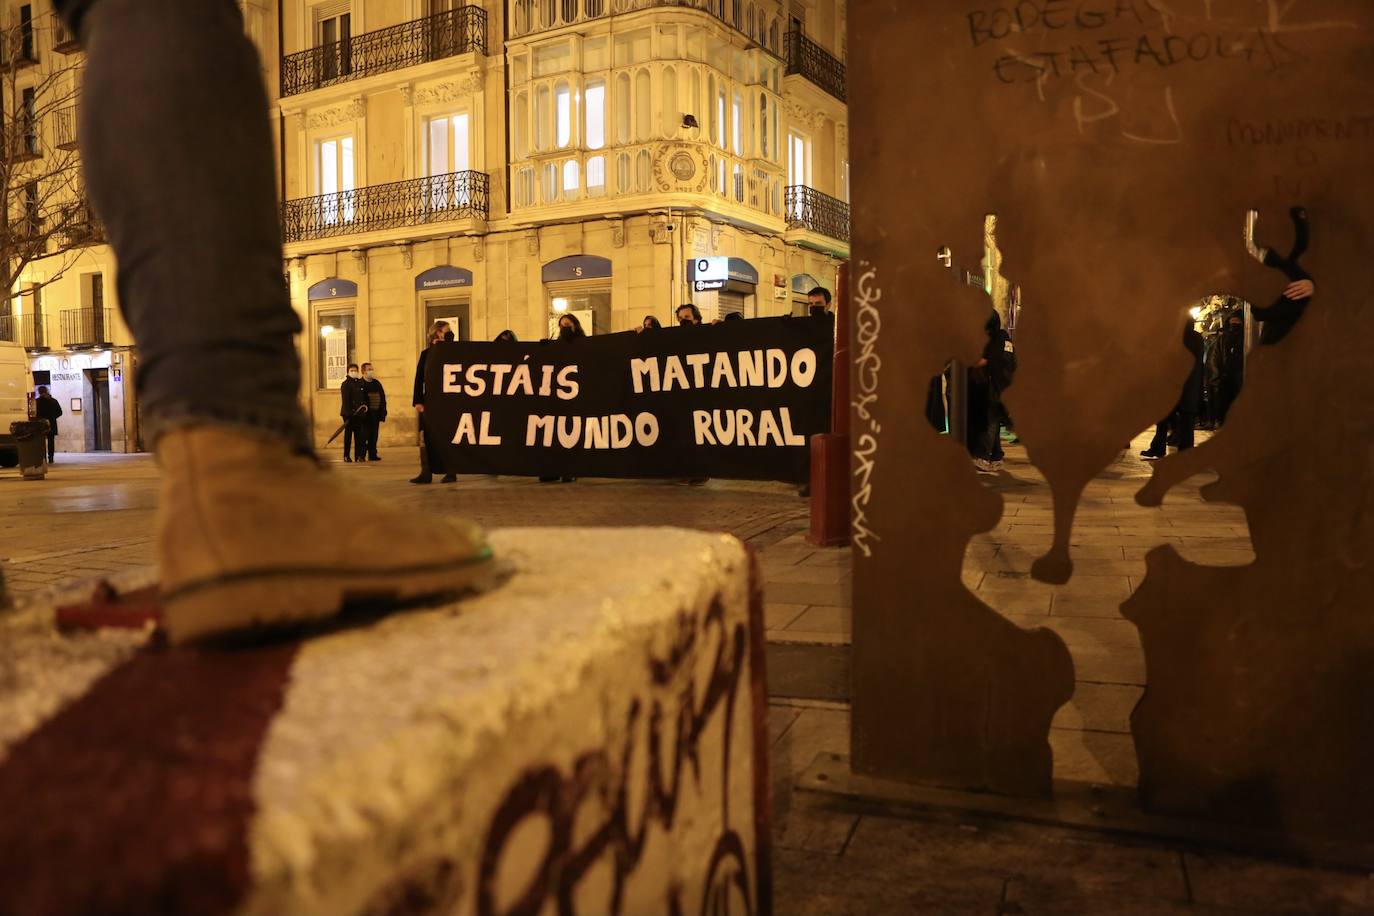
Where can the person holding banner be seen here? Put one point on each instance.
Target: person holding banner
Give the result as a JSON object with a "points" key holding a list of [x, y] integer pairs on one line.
{"points": [[688, 315], [569, 328], [431, 459]]}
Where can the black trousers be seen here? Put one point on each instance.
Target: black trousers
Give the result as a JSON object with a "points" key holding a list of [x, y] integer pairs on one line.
{"points": [[355, 437], [52, 445], [371, 429], [1177, 425]]}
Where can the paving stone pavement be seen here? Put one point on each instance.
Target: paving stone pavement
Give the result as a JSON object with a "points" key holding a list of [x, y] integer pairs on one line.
{"points": [[94, 516]]}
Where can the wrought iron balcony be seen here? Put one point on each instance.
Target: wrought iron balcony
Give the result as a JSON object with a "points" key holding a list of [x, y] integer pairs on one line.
{"points": [[26, 330], [809, 209], [63, 41], [64, 128], [808, 59], [442, 35], [413, 202], [87, 327], [21, 140], [531, 16], [81, 226]]}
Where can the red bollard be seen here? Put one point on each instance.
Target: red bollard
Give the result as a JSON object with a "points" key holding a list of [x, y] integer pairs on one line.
{"points": [[830, 504]]}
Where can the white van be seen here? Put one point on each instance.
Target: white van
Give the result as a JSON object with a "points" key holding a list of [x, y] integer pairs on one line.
{"points": [[14, 397]]}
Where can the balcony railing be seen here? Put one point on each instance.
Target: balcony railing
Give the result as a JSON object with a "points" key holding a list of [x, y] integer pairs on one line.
{"points": [[63, 41], [809, 209], [442, 35], [21, 140], [414, 202], [26, 330], [810, 60], [82, 226], [541, 15], [64, 128], [87, 327]]}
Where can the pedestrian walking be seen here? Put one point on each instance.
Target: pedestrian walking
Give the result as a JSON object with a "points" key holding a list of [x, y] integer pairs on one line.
{"points": [[220, 373], [1180, 424], [376, 410], [353, 410], [47, 408], [431, 459], [989, 378]]}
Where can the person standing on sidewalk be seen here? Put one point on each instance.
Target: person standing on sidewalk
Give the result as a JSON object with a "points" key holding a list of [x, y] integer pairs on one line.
{"points": [[1180, 424], [569, 329], [221, 376], [988, 379], [48, 409], [376, 410], [353, 410], [431, 459]]}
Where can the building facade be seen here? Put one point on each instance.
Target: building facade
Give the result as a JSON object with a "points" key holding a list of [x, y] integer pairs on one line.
{"points": [[497, 164], [62, 305]]}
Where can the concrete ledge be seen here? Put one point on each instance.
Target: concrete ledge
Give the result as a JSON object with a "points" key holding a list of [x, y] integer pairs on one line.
{"points": [[575, 738]]}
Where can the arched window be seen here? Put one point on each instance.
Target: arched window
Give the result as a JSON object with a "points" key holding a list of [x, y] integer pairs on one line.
{"points": [[562, 97], [672, 117], [596, 176], [524, 14], [572, 177], [548, 14], [622, 173], [763, 124], [713, 121], [711, 169], [569, 11], [739, 182], [549, 190], [522, 126], [622, 108], [694, 100], [644, 105], [594, 8], [735, 18], [543, 118], [644, 171]]}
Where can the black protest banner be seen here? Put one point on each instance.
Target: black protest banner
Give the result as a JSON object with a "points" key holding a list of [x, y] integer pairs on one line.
{"points": [[739, 399]]}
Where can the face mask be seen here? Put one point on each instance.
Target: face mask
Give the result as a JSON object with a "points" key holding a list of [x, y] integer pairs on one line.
{"points": [[817, 311], [565, 333], [353, 373], [685, 322], [368, 375]]}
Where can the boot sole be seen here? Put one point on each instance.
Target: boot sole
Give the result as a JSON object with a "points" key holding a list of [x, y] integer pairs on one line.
{"points": [[289, 598]]}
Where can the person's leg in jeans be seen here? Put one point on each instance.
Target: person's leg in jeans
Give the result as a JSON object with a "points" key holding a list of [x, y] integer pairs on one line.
{"points": [[251, 530]]}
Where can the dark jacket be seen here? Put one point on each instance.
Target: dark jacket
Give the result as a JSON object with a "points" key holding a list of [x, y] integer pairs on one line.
{"points": [[1190, 401], [1000, 356], [351, 398], [376, 400], [48, 409], [419, 396]]}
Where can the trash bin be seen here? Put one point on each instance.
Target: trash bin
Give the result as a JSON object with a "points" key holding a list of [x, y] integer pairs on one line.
{"points": [[32, 439]]}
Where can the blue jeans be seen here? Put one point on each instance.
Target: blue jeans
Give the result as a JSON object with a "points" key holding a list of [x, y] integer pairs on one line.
{"points": [[177, 153]]}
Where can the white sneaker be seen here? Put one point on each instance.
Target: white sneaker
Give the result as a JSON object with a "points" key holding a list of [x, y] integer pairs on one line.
{"points": [[995, 466], [983, 466]]}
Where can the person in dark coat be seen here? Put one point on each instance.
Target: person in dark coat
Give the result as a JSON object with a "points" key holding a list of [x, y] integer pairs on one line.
{"points": [[507, 336], [376, 410], [1182, 421], [48, 409], [569, 328], [431, 459], [353, 411], [1232, 364], [988, 379]]}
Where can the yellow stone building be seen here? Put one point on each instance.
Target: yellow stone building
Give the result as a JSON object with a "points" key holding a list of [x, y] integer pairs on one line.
{"points": [[499, 163], [62, 308], [494, 162]]}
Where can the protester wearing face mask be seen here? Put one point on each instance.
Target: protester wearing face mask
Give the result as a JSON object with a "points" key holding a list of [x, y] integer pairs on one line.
{"points": [[650, 323], [353, 410], [507, 336], [376, 410], [688, 314], [818, 301], [570, 328], [431, 459]]}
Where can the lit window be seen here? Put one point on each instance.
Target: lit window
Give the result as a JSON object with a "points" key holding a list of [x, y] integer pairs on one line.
{"points": [[596, 115], [644, 105], [543, 118], [596, 176], [335, 171], [737, 125], [572, 179], [563, 106]]}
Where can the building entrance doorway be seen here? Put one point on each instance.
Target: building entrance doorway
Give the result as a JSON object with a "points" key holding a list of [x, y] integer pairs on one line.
{"points": [[455, 311], [98, 416]]}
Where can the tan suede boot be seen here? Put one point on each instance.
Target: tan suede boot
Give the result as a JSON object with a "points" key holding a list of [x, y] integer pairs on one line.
{"points": [[251, 535]]}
